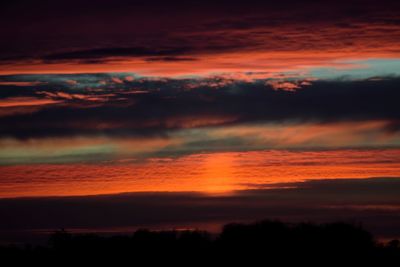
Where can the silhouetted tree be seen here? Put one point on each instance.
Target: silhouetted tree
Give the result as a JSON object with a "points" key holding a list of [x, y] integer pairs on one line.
{"points": [[260, 243]]}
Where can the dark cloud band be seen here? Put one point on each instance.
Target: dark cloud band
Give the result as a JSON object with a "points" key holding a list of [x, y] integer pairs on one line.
{"points": [[126, 107], [373, 201]]}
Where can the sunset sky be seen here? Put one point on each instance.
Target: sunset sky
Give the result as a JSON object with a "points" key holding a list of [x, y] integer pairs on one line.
{"points": [[282, 109]]}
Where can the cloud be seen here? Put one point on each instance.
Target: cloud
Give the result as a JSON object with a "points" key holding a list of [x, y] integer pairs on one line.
{"points": [[146, 107], [117, 52], [72, 82], [71, 96], [25, 101], [20, 83], [253, 37], [317, 201], [283, 85], [170, 59], [88, 166]]}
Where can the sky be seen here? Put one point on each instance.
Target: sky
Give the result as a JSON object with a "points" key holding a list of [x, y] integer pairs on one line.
{"points": [[282, 108]]}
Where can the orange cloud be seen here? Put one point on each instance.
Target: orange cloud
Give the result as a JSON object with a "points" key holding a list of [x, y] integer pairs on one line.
{"points": [[20, 83], [69, 96], [208, 172], [271, 63], [25, 101], [283, 85]]}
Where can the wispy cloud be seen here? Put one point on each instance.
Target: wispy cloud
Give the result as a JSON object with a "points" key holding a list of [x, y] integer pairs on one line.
{"points": [[259, 37], [25, 101]]}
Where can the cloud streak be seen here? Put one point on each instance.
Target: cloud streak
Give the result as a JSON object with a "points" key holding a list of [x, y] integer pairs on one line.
{"points": [[145, 107], [213, 38], [115, 167], [365, 200]]}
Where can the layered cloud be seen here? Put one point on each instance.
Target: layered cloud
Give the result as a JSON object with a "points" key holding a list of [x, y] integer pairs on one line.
{"points": [[211, 173], [185, 38], [123, 116], [374, 202], [100, 105], [205, 111]]}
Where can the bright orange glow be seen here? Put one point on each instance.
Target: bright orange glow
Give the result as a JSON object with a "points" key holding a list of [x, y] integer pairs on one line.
{"points": [[217, 171], [208, 173]]}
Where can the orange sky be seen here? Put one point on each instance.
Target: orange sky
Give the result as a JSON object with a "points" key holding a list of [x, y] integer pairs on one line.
{"points": [[170, 96], [208, 173], [235, 64]]}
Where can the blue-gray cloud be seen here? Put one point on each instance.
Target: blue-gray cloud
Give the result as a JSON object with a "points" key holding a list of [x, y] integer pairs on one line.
{"points": [[135, 106]]}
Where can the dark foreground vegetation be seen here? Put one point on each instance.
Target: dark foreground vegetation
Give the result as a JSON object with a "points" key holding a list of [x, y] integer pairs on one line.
{"points": [[259, 244]]}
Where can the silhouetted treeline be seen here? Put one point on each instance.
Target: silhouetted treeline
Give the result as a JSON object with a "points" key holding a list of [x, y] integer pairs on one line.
{"points": [[260, 244]]}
